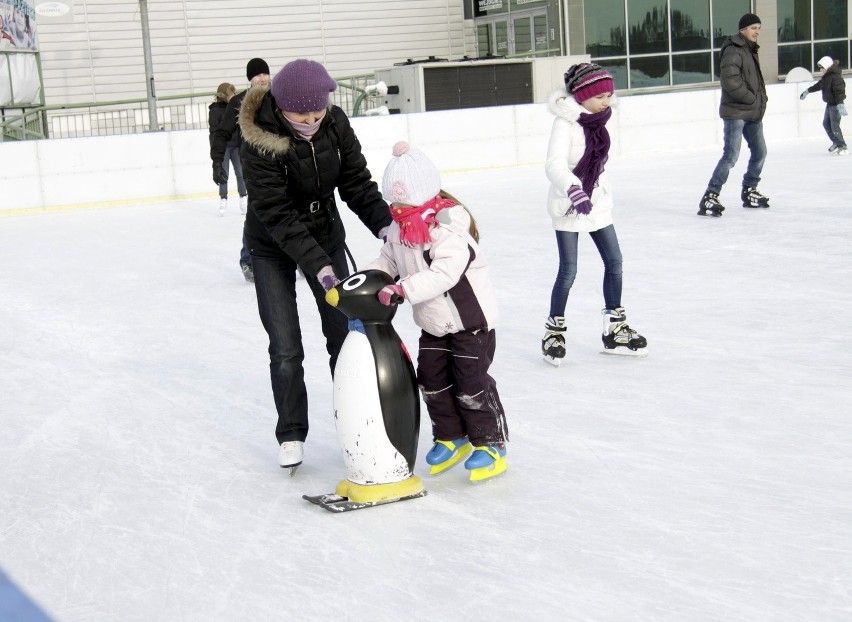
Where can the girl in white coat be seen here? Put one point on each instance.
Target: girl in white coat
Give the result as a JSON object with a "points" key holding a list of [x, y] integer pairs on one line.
{"points": [[432, 246], [580, 200]]}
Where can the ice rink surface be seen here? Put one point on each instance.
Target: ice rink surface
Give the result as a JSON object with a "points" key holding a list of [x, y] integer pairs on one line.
{"points": [[710, 481]]}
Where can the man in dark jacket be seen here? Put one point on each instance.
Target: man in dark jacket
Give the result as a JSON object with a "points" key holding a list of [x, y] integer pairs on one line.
{"points": [[742, 107], [227, 132], [297, 150], [833, 88]]}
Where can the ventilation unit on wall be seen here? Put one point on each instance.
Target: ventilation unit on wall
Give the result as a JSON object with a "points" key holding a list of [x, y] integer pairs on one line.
{"points": [[426, 86]]}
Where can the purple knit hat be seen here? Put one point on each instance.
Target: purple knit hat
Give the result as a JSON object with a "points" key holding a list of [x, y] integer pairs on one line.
{"points": [[302, 86], [587, 80]]}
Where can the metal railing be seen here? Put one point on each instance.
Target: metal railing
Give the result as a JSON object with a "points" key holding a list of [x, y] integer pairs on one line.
{"points": [[131, 116]]}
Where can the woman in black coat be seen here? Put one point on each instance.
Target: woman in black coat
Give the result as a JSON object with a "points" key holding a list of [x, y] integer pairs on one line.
{"points": [[297, 150]]}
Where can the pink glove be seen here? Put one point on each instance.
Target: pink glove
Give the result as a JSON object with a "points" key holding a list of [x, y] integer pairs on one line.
{"points": [[391, 295], [327, 278], [580, 202]]}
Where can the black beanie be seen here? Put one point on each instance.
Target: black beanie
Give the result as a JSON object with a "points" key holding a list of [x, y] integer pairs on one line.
{"points": [[749, 19], [256, 66]]}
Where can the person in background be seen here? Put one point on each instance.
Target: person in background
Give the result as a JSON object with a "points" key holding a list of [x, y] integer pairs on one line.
{"points": [[257, 73], [432, 247], [297, 150], [224, 93], [742, 107], [833, 88], [580, 201]]}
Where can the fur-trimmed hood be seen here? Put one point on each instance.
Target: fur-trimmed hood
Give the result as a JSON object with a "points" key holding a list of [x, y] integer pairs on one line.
{"points": [[562, 104], [266, 142]]}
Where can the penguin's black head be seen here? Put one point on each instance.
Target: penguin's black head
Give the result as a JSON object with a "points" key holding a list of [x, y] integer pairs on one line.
{"points": [[357, 297]]}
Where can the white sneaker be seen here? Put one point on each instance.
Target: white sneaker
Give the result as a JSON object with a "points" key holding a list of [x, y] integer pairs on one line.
{"points": [[842, 152], [223, 205], [243, 204], [291, 454]]}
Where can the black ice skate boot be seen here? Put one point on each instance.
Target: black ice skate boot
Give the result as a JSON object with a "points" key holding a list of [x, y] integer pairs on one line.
{"points": [[553, 342], [709, 205], [752, 198], [618, 337]]}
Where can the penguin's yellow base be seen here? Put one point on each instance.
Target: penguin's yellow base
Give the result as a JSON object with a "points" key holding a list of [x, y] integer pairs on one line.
{"points": [[379, 493], [492, 470]]}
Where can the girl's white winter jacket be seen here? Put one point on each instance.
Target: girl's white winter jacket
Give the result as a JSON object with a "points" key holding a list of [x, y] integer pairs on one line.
{"points": [[445, 281], [567, 144]]}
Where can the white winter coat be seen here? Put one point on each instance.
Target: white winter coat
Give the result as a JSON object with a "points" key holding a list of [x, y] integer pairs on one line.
{"points": [[566, 147], [445, 281]]}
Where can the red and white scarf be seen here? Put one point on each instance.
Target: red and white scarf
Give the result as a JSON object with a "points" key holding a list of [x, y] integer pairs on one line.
{"points": [[414, 222]]}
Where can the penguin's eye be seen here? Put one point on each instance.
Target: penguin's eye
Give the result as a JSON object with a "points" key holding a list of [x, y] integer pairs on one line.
{"points": [[353, 282]]}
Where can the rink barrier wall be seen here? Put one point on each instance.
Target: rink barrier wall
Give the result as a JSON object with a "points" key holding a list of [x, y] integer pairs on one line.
{"points": [[72, 173]]}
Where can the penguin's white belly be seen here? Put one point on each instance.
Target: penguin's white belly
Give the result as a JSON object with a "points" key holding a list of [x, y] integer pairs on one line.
{"points": [[370, 457]]}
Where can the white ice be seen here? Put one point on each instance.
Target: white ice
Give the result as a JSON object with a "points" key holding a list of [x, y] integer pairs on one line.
{"points": [[709, 481]]}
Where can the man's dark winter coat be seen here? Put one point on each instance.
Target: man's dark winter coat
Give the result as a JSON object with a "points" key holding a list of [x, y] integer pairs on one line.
{"points": [[743, 90], [291, 182]]}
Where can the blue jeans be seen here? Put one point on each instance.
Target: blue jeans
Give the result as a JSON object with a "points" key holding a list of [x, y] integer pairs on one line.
{"points": [[831, 123], [734, 132], [607, 243], [275, 284], [232, 154]]}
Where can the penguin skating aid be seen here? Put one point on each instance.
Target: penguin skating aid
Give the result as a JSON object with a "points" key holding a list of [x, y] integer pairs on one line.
{"points": [[376, 402]]}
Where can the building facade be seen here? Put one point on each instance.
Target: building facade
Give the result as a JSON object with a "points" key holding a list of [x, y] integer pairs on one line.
{"points": [[95, 53]]}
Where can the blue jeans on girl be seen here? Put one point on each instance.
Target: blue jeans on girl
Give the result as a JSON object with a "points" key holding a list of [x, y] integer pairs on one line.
{"points": [[606, 242]]}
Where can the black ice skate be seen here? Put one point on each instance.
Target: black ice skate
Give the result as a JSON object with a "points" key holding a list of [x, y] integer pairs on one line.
{"points": [[709, 205], [553, 343], [752, 198], [618, 337]]}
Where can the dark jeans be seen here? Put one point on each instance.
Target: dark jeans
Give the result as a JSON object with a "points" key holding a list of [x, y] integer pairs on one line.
{"points": [[245, 255], [735, 130], [275, 284], [831, 124], [606, 242], [232, 154], [460, 396]]}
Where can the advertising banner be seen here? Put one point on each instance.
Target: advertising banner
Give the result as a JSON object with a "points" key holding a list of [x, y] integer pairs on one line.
{"points": [[19, 80]]}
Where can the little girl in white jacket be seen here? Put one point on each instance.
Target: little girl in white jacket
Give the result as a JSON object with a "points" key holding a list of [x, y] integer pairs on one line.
{"points": [[432, 247]]}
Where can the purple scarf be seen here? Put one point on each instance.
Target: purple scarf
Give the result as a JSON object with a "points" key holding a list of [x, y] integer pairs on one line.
{"points": [[591, 165]]}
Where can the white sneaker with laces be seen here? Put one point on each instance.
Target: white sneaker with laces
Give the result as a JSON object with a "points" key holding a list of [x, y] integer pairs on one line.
{"points": [[291, 454], [842, 152], [243, 204], [223, 205]]}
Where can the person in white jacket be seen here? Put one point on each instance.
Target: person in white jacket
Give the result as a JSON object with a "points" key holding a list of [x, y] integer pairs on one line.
{"points": [[432, 247], [580, 200]]}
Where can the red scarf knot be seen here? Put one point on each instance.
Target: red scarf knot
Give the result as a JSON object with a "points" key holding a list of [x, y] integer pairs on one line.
{"points": [[414, 221]]}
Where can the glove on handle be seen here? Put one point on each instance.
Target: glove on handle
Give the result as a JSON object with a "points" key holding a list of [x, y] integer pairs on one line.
{"points": [[327, 278], [391, 295], [580, 202]]}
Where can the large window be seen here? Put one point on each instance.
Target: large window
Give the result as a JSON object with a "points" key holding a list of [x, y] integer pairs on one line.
{"points": [[811, 29], [652, 43]]}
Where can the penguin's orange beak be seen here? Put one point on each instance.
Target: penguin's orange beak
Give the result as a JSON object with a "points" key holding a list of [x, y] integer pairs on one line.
{"points": [[332, 296]]}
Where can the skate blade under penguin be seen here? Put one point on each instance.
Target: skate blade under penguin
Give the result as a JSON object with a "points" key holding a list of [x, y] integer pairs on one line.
{"points": [[335, 503]]}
